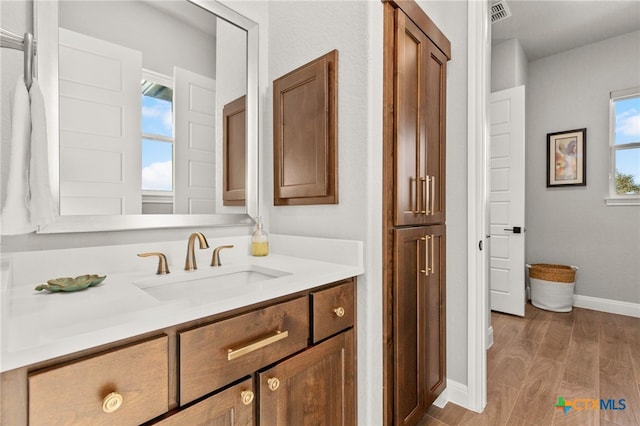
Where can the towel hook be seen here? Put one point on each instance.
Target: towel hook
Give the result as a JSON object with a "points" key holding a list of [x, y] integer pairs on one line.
{"points": [[27, 45], [28, 60]]}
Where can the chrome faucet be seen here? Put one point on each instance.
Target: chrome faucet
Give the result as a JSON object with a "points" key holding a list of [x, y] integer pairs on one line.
{"points": [[215, 258], [190, 263]]}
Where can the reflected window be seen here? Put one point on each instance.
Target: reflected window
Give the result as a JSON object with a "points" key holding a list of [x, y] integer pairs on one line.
{"points": [[157, 133]]}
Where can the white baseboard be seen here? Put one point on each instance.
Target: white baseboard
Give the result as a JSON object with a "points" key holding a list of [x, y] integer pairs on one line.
{"points": [[454, 392], [607, 305], [490, 337]]}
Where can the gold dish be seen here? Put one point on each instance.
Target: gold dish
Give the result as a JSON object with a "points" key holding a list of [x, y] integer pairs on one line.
{"points": [[71, 284]]}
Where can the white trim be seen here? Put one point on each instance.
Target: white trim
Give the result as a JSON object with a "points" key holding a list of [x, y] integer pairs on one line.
{"points": [[442, 399], [473, 396], [607, 305], [490, 337], [619, 201], [454, 392]]}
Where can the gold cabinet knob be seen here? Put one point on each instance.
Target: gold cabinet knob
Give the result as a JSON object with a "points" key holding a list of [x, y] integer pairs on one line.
{"points": [[112, 402], [247, 397], [339, 312], [273, 383]]}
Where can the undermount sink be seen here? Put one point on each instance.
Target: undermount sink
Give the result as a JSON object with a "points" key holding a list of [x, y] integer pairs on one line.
{"points": [[209, 284]]}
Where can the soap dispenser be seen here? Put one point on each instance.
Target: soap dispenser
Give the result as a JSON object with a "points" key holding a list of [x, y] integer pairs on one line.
{"points": [[259, 240]]}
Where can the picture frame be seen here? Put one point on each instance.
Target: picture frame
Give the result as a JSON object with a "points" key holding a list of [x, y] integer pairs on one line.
{"points": [[567, 158]]}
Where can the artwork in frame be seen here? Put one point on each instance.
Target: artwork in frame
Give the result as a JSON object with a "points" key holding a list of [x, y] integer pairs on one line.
{"points": [[567, 158]]}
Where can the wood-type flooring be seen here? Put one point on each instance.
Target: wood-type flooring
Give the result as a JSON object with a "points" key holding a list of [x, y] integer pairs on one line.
{"points": [[583, 356]]}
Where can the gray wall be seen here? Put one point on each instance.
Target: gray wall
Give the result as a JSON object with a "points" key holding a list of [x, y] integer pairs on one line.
{"points": [[508, 65], [163, 39], [572, 225]]}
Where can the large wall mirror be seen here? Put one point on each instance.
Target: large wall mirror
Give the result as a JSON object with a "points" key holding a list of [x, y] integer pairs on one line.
{"points": [[152, 113]]}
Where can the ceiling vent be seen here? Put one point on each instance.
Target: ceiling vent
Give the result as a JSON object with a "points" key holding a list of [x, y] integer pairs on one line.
{"points": [[499, 11]]}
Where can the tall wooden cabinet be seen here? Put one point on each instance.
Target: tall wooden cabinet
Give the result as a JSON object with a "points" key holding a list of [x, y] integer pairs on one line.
{"points": [[416, 55]]}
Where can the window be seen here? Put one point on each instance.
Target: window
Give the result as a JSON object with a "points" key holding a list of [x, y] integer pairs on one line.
{"points": [[157, 133], [625, 144]]}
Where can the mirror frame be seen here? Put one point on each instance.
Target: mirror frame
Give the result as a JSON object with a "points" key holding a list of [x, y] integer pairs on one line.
{"points": [[45, 26]]}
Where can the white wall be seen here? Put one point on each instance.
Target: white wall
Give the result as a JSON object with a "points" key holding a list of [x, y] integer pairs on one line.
{"points": [[508, 65], [572, 225], [298, 33]]}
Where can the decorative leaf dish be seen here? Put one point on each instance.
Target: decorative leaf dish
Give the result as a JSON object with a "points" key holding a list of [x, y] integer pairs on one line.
{"points": [[71, 284]]}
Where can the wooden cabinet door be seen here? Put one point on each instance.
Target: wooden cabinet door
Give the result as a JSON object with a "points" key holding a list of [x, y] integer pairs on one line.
{"points": [[435, 311], [316, 387], [419, 343], [231, 407], [419, 91], [409, 325]]}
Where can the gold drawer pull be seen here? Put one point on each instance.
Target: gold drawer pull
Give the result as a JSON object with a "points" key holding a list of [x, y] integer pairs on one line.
{"points": [[339, 311], [247, 397], [112, 402], [237, 353], [273, 383]]}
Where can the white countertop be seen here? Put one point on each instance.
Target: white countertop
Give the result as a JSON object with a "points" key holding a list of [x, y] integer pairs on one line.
{"points": [[37, 326]]}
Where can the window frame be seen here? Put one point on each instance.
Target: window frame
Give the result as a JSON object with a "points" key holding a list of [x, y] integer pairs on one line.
{"points": [[615, 199], [155, 195]]}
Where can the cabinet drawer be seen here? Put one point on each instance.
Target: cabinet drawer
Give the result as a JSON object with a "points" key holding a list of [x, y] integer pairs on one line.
{"points": [[75, 393], [214, 355], [333, 310], [233, 406]]}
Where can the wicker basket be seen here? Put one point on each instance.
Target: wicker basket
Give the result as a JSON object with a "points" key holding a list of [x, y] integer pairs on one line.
{"points": [[552, 286], [555, 273]]}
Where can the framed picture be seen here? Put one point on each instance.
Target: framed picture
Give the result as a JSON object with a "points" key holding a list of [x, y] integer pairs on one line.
{"points": [[567, 158]]}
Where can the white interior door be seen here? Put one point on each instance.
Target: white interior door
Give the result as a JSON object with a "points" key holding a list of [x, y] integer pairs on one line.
{"points": [[194, 103], [100, 104], [506, 201]]}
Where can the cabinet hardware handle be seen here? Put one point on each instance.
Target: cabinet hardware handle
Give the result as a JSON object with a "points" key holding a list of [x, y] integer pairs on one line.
{"points": [[247, 397], [433, 195], [273, 383], [433, 265], [413, 194], [418, 270], [237, 353], [427, 202], [426, 256], [425, 195], [339, 311], [112, 402]]}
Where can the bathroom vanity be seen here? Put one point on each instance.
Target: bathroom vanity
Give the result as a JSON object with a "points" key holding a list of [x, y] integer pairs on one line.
{"points": [[278, 348]]}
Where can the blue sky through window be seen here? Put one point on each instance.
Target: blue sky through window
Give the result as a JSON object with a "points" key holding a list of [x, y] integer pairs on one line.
{"points": [[157, 155], [627, 130]]}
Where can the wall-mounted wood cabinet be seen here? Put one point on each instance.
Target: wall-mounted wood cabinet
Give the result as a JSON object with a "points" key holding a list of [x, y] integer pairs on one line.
{"points": [[420, 95], [305, 134]]}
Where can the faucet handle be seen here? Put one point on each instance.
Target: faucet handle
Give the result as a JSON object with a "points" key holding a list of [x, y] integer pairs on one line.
{"points": [[163, 267], [215, 258]]}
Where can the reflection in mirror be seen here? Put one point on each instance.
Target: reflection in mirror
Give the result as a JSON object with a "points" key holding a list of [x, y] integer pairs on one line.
{"points": [[141, 109], [138, 95]]}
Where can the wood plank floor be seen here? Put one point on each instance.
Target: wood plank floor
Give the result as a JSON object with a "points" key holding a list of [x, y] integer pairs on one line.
{"points": [[581, 356]]}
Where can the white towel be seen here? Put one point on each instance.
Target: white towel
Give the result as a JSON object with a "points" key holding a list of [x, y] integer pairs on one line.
{"points": [[42, 207], [15, 212], [29, 202]]}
